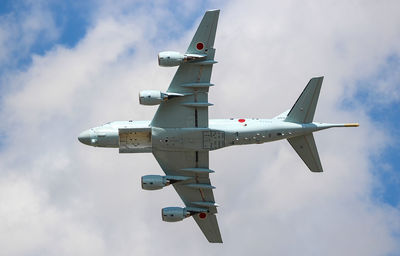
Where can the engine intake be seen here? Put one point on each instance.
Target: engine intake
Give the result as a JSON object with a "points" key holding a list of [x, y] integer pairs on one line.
{"points": [[172, 59], [174, 214], [154, 182], [150, 97]]}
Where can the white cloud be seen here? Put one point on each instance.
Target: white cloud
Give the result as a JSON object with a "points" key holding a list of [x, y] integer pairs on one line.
{"points": [[30, 224], [28, 24], [60, 196]]}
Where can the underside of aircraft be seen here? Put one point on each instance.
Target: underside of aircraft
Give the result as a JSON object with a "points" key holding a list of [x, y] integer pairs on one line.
{"points": [[180, 135]]}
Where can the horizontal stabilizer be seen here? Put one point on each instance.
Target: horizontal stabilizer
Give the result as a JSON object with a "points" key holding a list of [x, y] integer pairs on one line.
{"points": [[304, 109], [307, 150]]}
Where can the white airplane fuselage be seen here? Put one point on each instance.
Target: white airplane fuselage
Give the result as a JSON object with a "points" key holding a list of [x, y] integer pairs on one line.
{"points": [[181, 133], [140, 136]]}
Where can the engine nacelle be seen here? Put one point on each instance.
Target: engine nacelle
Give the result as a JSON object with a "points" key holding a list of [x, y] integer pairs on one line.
{"points": [[154, 182], [150, 97], [174, 214], [172, 59]]}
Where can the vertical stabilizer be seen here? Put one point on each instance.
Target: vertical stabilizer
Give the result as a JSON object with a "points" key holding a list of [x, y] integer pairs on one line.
{"points": [[304, 108]]}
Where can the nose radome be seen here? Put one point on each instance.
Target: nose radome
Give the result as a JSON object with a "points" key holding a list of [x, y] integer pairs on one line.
{"points": [[84, 137]]}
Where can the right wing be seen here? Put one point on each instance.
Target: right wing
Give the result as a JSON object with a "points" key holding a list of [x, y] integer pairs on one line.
{"points": [[195, 192]]}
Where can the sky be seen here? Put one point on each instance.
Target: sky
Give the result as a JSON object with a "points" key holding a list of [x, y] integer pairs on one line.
{"points": [[68, 66]]}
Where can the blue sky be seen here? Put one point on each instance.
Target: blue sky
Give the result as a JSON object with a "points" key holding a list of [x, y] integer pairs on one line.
{"points": [[385, 114], [63, 66], [71, 20]]}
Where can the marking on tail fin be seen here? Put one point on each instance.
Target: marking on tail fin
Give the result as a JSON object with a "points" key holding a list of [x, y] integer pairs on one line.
{"points": [[200, 46]]}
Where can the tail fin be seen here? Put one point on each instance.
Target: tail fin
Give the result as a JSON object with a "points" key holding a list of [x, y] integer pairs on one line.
{"points": [[304, 108], [303, 112], [307, 150], [204, 38]]}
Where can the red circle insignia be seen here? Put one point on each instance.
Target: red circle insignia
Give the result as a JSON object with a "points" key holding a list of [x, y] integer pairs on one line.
{"points": [[202, 215], [199, 46], [242, 120]]}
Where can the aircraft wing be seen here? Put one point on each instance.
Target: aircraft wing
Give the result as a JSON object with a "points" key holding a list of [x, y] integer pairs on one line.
{"points": [[195, 192], [192, 79]]}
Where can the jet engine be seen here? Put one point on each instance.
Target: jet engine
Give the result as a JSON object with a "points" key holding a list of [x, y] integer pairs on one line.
{"points": [[150, 97], [154, 182], [174, 214], [171, 59]]}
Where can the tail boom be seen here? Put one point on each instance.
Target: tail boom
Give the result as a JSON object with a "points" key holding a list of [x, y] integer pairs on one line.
{"points": [[323, 126]]}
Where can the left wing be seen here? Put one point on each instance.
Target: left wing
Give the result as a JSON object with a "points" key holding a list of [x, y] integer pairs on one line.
{"points": [[192, 79], [195, 192]]}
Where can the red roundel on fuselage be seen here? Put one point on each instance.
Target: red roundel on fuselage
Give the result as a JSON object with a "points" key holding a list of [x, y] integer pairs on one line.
{"points": [[199, 46], [242, 120], [202, 215]]}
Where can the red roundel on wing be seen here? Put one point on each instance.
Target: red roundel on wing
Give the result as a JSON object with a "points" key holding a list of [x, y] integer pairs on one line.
{"points": [[199, 46], [202, 215], [242, 120]]}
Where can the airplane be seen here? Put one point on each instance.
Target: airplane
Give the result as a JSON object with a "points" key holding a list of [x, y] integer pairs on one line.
{"points": [[180, 136]]}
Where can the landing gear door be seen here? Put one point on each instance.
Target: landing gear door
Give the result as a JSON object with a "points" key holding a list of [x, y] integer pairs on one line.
{"points": [[134, 140]]}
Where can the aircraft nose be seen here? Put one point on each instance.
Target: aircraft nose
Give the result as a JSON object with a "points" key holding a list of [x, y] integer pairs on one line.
{"points": [[84, 137]]}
